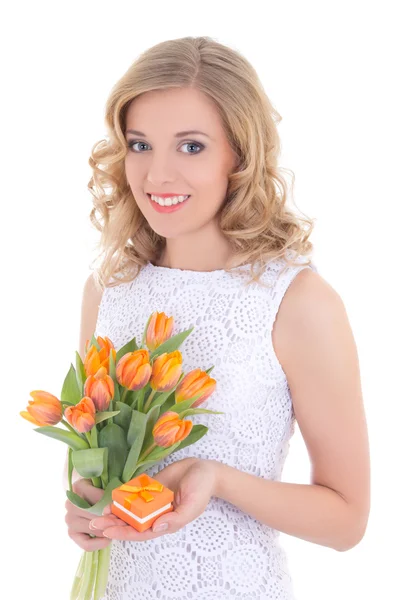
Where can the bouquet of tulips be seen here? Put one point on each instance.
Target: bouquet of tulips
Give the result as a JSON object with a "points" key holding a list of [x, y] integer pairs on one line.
{"points": [[123, 412]]}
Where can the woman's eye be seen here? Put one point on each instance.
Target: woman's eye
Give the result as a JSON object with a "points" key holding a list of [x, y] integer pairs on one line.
{"points": [[193, 144], [133, 143]]}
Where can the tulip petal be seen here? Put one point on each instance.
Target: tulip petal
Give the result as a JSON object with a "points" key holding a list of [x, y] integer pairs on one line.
{"points": [[29, 417]]}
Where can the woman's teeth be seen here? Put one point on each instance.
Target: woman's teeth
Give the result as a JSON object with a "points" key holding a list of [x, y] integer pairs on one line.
{"points": [[168, 201]]}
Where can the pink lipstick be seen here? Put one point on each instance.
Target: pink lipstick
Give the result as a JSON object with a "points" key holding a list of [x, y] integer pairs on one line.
{"points": [[167, 209]]}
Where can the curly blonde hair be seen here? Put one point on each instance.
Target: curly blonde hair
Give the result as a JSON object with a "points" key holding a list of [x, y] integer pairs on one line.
{"points": [[254, 218]]}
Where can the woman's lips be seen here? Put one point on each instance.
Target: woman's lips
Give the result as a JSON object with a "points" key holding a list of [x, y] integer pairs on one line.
{"points": [[167, 209]]}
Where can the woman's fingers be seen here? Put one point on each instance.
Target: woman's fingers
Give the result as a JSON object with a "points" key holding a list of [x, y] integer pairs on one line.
{"points": [[86, 490], [78, 512], [85, 542], [101, 523], [78, 519], [79, 525]]}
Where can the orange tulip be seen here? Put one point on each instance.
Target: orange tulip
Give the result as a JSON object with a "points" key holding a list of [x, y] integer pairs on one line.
{"points": [[167, 368], [194, 383], [170, 429], [82, 415], [95, 359], [159, 330], [100, 388], [44, 409], [133, 370]]}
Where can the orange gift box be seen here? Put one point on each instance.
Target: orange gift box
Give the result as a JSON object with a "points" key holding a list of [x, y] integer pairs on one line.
{"points": [[140, 501]]}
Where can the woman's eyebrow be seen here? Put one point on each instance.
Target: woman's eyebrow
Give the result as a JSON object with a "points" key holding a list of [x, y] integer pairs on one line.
{"points": [[177, 135]]}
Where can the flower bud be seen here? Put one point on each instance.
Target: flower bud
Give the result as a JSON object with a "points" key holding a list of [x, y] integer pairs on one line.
{"points": [[133, 370], [159, 330], [167, 368], [170, 429], [82, 416], [194, 383], [44, 409], [100, 388], [95, 359]]}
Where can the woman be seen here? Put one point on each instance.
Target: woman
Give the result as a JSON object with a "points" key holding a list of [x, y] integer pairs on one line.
{"points": [[190, 119]]}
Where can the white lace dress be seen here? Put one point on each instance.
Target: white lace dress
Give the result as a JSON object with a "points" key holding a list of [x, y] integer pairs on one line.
{"points": [[225, 553]]}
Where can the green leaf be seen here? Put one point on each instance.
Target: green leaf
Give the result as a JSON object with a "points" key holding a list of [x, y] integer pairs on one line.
{"points": [[102, 416], [113, 438], [137, 425], [145, 330], [160, 398], [172, 343], [127, 396], [70, 391], [131, 346], [68, 437], [196, 433], [152, 417], [113, 376], [90, 462], [167, 405], [199, 411], [132, 399], [94, 342], [160, 452], [185, 404], [80, 373], [70, 468], [133, 456], [77, 500], [143, 467], [139, 398], [97, 508], [124, 417], [92, 437], [136, 433]]}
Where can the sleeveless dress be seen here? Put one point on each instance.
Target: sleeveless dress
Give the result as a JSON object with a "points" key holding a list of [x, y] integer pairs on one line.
{"points": [[224, 553]]}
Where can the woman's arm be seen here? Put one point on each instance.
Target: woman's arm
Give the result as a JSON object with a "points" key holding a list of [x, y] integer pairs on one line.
{"points": [[315, 346], [311, 512]]}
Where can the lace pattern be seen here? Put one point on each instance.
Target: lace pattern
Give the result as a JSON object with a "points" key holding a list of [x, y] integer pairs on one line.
{"points": [[225, 553]]}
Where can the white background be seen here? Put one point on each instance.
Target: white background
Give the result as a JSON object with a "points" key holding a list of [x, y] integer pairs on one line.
{"points": [[330, 70]]}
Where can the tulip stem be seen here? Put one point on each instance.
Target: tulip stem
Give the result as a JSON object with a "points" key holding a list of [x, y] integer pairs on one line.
{"points": [[146, 453], [93, 437], [148, 401], [124, 393], [68, 426]]}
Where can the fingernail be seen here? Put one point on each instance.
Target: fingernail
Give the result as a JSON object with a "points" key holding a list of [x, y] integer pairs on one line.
{"points": [[161, 527], [92, 525]]}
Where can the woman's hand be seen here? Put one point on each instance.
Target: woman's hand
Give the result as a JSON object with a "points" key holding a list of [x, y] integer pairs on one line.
{"points": [[78, 519], [193, 482]]}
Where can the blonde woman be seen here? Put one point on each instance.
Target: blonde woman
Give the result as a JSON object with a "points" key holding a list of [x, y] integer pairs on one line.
{"points": [[194, 219]]}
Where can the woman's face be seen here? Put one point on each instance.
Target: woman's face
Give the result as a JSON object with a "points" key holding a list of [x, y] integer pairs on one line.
{"points": [[161, 161]]}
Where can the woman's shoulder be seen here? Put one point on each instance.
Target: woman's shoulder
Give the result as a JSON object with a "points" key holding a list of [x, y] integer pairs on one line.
{"points": [[91, 299], [307, 293]]}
